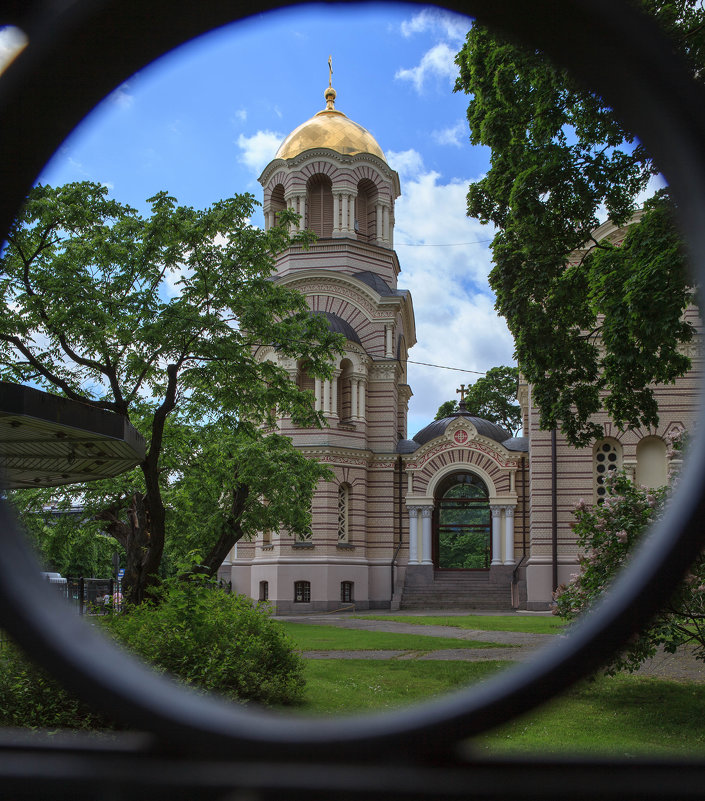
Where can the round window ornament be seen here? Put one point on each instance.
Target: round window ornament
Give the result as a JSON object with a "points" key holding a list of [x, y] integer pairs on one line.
{"points": [[633, 68], [461, 437]]}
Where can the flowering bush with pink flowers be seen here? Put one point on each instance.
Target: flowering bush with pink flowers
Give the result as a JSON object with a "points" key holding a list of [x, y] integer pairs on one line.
{"points": [[606, 536]]}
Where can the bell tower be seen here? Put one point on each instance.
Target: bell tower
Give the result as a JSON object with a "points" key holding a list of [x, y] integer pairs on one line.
{"points": [[334, 175]]}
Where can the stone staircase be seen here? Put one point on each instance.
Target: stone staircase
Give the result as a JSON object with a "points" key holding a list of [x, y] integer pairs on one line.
{"points": [[458, 589]]}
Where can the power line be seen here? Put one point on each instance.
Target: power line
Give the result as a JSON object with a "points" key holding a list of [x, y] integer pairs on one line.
{"points": [[445, 367], [441, 245]]}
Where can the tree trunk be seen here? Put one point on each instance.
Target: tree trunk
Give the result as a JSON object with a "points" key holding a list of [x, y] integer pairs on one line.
{"points": [[134, 534], [230, 532]]}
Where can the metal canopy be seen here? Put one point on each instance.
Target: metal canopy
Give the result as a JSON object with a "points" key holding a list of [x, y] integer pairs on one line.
{"points": [[46, 441]]}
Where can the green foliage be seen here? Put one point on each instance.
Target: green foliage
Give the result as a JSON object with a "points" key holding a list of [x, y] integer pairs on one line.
{"points": [[199, 634], [161, 319], [446, 409], [30, 698], [607, 534], [492, 397], [64, 536], [280, 482], [215, 641], [558, 159]]}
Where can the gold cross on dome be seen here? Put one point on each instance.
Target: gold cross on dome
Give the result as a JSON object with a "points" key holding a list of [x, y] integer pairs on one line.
{"points": [[330, 70], [462, 392]]}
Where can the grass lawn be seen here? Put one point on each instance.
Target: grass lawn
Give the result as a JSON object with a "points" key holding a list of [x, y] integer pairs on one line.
{"points": [[619, 716], [347, 686], [534, 624], [331, 638]]}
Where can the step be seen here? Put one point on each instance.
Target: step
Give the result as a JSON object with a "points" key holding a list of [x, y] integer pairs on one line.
{"points": [[458, 590]]}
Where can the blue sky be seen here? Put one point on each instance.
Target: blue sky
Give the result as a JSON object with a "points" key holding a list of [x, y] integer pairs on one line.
{"points": [[204, 120]]}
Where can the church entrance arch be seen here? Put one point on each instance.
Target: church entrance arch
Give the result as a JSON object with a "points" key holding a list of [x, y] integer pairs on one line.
{"points": [[462, 523]]}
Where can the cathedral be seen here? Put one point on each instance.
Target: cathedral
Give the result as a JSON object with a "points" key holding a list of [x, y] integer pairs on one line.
{"points": [[460, 515]]}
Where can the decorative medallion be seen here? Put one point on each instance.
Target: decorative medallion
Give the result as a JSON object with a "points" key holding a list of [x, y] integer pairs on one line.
{"points": [[461, 437]]}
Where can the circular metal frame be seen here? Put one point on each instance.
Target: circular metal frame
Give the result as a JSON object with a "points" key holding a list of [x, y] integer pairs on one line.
{"points": [[607, 45]]}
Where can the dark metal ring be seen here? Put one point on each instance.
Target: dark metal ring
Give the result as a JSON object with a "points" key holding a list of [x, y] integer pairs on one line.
{"points": [[608, 46]]}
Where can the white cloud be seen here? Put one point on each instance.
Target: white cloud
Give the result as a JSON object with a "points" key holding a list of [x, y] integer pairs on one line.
{"points": [[259, 149], [12, 40], [451, 136], [407, 163], [436, 20], [240, 115], [438, 62], [121, 97], [446, 269]]}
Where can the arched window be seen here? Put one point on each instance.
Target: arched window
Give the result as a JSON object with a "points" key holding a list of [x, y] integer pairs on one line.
{"points": [[651, 462], [303, 380], [302, 592], [319, 205], [346, 592], [345, 390], [277, 202], [343, 513], [264, 590], [462, 523], [607, 457], [365, 211]]}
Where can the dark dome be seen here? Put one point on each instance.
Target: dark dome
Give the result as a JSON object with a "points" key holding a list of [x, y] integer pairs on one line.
{"points": [[338, 326], [407, 446], [380, 286], [517, 444], [484, 428]]}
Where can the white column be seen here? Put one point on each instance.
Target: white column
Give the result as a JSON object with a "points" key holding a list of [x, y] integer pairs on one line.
{"points": [[334, 394], [354, 389], [512, 481], [326, 396], [346, 213], [508, 535], [336, 213], [318, 392], [388, 345], [298, 203], [496, 535], [302, 212], [378, 225], [361, 400], [426, 512], [385, 215], [413, 535]]}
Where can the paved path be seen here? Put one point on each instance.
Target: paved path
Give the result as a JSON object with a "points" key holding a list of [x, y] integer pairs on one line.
{"points": [[521, 645], [681, 666]]}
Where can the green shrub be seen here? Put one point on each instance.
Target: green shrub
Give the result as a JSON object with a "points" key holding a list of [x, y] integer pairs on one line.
{"points": [[202, 636], [29, 698], [214, 641]]}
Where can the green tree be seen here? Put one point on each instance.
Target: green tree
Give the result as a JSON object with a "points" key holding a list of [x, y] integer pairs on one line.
{"points": [[64, 534], [558, 159], [492, 397], [157, 318]]}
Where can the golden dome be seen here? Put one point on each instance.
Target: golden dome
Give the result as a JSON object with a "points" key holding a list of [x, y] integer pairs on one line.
{"points": [[332, 129]]}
